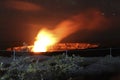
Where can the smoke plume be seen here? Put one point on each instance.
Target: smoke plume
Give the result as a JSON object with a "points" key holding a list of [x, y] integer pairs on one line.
{"points": [[87, 20]]}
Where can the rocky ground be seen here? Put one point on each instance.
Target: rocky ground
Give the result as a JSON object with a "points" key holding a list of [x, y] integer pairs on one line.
{"points": [[60, 67]]}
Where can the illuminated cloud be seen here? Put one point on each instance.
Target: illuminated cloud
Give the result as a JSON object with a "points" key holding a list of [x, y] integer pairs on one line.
{"points": [[90, 20], [22, 5]]}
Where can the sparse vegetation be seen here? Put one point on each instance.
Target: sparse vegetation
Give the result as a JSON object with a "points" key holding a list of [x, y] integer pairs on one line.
{"points": [[60, 67]]}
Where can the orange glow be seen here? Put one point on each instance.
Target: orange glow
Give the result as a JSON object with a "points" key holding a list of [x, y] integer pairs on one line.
{"points": [[44, 39], [88, 20]]}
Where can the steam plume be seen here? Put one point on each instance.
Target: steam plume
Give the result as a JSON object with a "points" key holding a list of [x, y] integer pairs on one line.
{"points": [[88, 20]]}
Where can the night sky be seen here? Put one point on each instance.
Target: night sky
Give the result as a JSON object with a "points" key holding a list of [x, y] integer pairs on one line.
{"points": [[20, 20]]}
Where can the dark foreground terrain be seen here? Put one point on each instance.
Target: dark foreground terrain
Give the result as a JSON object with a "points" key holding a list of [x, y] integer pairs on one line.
{"points": [[60, 67], [95, 52]]}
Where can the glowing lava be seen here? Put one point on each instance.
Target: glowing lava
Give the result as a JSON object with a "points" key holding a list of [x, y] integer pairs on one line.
{"points": [[89, 20], [44, 39]]}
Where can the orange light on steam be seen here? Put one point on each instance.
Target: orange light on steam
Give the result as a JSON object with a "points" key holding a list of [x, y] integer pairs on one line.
{"points": [[90, 20], [44, 39]]}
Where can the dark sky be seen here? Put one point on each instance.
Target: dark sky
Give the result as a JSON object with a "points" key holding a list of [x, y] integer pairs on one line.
{"points": [[20, 20]]}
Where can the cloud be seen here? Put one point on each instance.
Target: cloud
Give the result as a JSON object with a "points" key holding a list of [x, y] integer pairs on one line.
{"points": [[22, 5], [90, 20]]}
